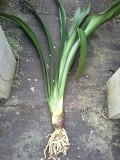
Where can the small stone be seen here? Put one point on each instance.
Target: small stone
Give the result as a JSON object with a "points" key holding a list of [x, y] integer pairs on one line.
{"points": [[83, 118], [47, 66], [91, 132], [87, 76], [33, 107], [32, 89]]}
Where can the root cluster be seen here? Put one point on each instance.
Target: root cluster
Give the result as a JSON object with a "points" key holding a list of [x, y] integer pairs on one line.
{"points": [[58, 143]]}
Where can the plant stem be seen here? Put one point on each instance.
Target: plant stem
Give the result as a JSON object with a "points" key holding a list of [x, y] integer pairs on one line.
{"points": [[66, 51], [56, 110], [67, 67]]}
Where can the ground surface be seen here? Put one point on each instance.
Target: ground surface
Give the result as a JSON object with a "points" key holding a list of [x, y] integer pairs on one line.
{"points": [[24, 118]]}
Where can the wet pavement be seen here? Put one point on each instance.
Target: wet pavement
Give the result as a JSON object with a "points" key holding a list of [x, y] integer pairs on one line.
{"points": [[24, 118]]}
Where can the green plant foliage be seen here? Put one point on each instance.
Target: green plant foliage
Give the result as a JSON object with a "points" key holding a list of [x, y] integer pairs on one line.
{"points": [[63, 29], [49, 38], [79, 17], [83, 52], [97, 19], [69, 45], [15, 46]]}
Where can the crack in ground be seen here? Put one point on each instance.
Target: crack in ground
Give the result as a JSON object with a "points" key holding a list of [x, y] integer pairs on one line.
{"points": [[1, 93], [5, 79]]}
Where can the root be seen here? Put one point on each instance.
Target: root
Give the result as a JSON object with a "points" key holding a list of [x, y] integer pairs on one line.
{"points": [[58, 143]]}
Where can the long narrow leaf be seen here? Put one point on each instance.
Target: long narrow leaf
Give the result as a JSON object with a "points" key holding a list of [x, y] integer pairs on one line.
{"points": [[116, 2], [52, 57], [70, 42], [63, 30], [33, 37], [69, 62], [98, 19], [79, 17], [83, 53]]}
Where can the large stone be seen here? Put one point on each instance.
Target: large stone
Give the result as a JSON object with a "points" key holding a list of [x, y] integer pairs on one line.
{"points": [[113, 89], [7, 66]]}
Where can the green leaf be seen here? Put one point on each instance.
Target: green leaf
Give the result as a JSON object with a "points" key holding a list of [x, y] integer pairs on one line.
{"points": [[77, 20], [67, 66], [98, 19], [69, 44], [116, 2], [52, 57], [34, 39], [79, 17], [63, 30], [83, 53]]}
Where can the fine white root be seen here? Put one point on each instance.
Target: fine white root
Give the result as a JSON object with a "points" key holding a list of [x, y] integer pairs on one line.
{"points": [[58, 143]]}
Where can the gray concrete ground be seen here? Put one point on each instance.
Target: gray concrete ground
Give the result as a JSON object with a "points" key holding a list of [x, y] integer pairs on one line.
{"points": [[24, 118]]}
